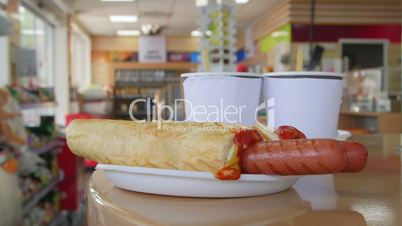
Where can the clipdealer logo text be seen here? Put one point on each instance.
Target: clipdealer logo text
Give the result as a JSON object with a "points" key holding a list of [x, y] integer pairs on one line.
{"points": [[221, 112]]}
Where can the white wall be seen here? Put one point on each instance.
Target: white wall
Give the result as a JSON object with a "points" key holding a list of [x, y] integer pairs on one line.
{"points": [[61, 87], [87, 54], [80, 59], [4, 61]]}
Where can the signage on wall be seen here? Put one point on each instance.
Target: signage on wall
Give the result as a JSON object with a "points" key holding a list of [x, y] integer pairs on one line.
{"points": [[25, 62], [152, 49]]}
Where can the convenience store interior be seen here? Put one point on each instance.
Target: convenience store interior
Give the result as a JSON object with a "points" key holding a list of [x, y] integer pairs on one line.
{"points": [[66, 59]]}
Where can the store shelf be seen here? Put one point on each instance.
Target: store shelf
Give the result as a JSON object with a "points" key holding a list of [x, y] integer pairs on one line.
{"points": [[94, 100], [156, 84], [78, 217], [379, 122], [56, 220], [185, 66], [61, 131], [128, 97], [49, 104], [46, 148], [101, 115], [364, 114], [31, 203], [139, 113]]}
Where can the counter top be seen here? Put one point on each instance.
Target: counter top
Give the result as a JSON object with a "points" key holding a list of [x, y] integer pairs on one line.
{"points": [[369, 113], [371, 197]]}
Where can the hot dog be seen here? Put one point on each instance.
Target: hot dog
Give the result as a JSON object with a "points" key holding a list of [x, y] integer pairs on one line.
{"points": [[227, 151], [356, 156], [303, 156], [356, 153], [294, 157]]}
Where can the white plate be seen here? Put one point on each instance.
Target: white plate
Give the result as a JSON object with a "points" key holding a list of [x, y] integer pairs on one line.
{"points": [[197, 184], [192, 183]]}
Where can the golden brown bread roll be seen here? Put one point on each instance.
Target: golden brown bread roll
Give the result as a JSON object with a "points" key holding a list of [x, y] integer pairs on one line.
{"points": [[169, 145]]}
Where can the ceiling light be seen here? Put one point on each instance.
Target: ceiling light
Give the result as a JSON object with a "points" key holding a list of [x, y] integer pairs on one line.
{"points": [[123, 19], [242, 1], [21, 9], [117, 0], [151, 29], [31, 32], [276, 34], [128, 32], [196, 33], [200, 3]]}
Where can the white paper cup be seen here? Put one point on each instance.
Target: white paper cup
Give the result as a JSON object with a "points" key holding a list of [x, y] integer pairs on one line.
{"points": [[222, 97], [309, 101]]}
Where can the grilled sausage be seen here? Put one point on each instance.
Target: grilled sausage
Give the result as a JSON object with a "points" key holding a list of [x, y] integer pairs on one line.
{"points": [[356, 156], [294, 157], [356, 153]]}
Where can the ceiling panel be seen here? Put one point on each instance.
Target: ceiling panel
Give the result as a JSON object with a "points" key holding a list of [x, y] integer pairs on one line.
{"points": [[157, 18], [178, 17], [96, 4], [126, 26], [182, 22], [247, 13], [87, 5], [156, 5], [97, 24], [122, 10]]}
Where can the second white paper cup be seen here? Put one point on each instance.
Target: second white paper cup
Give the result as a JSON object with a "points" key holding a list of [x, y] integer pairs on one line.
{"points": [[309, 101], [222, 97]]}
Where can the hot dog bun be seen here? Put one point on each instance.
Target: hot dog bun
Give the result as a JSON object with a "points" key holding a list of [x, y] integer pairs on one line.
{"points": [[184, 146]]}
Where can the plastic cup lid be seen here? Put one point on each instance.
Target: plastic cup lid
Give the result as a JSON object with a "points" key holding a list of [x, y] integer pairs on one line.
{"points": [[305, 74], [231, 74]]}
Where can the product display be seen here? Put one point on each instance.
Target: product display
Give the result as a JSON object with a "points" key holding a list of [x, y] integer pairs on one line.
{"points": [[27, 95], [26, 155], [43, 136], [12, 129], [217, 28], [154, 86], [45, 212], [11, 139], [34, 182], [8, 158]]}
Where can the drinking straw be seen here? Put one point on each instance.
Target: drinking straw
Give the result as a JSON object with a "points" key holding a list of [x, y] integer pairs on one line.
{"points": [[205, 60], [299, 60]]}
